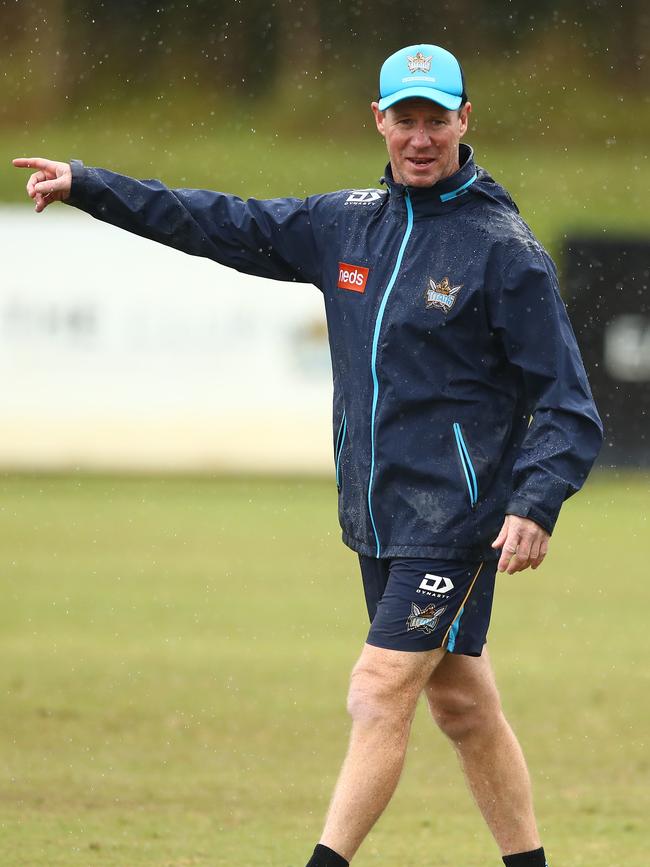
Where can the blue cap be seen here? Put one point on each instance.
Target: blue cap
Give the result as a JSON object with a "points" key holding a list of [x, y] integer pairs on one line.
{"points": [[426, 71]]}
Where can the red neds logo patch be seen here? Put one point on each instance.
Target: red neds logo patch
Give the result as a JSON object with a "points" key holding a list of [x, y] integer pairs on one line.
{"points": [[352, 277]]}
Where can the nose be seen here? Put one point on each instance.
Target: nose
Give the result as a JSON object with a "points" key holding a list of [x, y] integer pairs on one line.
{"points": [[420, 137]]}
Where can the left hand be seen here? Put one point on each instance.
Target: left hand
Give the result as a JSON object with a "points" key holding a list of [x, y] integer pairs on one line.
{"points": [[523, 543]]}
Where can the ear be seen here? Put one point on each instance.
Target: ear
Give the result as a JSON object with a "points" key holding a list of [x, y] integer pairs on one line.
{"points": [[380, 118], [463, 118]]}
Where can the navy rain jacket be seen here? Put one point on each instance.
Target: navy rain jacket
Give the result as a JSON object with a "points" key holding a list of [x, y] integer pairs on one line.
{"points": [[459, 391]]}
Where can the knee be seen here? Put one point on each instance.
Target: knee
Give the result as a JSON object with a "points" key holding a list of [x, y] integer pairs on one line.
{"points": [[461, 715], [375, 698]]}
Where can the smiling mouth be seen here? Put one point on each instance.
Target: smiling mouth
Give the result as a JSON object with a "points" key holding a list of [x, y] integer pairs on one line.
{"points": [[420, 162]]}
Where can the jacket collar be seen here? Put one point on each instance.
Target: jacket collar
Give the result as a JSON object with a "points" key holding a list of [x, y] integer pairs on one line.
{"points": [[447, 194]]}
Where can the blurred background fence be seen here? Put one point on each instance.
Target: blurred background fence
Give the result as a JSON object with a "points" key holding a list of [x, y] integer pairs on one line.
{"points": [[118, 353]]}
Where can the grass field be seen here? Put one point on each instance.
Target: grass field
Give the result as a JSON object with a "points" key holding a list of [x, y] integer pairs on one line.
{"points": [[175, 654], [561, 187]]}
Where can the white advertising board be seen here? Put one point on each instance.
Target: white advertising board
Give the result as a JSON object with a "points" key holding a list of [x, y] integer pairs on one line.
{"points": [[119, 353]]}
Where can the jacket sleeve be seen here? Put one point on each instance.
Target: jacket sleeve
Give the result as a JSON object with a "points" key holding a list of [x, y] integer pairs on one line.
{"points": [[565, 431], [268, 238]]}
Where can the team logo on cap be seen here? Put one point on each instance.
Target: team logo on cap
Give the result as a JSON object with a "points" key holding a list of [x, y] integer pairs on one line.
{"points": [[441, 295], [425, 619], [419, 63]]}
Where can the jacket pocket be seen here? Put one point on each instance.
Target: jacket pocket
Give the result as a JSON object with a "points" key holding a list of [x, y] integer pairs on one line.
{"points": [[467, 465], [338, 448]]}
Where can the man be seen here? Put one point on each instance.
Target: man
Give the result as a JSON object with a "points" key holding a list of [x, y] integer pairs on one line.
{"points": [[462, 417]]}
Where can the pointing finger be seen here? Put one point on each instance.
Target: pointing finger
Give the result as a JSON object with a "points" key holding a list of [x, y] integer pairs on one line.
{"points": [[32, 162]]}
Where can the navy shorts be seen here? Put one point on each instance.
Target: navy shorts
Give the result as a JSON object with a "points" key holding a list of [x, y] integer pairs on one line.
{"points": [[419, 604]]}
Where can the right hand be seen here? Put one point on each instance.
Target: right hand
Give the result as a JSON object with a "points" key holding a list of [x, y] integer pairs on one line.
{"points": [[51, 183]]}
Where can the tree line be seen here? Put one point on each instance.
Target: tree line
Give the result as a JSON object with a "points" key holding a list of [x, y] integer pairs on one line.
{"points": [[62, 53]]}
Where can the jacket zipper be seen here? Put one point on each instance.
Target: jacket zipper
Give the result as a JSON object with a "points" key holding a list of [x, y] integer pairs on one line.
{"points": [[338, 448], [466, 463], [373, 358]]}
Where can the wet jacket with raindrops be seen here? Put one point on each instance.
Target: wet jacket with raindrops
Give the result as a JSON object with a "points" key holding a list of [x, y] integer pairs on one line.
{"points": [[459, 391]]}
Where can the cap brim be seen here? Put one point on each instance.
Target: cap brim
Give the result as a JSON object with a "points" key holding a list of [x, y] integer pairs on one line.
{"points": [[446, 100]]}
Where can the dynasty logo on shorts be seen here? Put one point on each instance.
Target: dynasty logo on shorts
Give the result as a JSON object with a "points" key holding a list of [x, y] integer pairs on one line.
{"points": [[425, 619], [352, 277], [436, 584]]}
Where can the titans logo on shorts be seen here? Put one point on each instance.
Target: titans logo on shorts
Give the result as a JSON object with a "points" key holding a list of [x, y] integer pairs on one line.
{"points": [[419, 604]]}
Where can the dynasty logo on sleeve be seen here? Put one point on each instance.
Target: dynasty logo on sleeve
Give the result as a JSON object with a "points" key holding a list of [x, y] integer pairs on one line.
{"points": [[364, 197]]}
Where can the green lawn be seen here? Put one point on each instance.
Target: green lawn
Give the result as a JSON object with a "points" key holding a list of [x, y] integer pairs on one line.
{"points": [[596, 186], [175, 654]]}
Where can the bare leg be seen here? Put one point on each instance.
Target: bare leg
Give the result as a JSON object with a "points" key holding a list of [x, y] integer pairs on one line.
{"points": [[384, 690], [464, 702]]}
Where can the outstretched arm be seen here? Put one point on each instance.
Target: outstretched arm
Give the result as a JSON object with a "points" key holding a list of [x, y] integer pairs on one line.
{"points": [[273, 238], [51, 182]]}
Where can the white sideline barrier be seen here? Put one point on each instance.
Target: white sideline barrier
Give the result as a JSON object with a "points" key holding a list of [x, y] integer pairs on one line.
{"points": [[118, 353]]}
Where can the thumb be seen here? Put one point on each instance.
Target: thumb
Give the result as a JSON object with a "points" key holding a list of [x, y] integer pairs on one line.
{"points": [[51, 186], [503, 535]]}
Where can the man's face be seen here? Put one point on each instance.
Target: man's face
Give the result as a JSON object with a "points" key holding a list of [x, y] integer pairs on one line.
{"points": [[422, 139]]}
